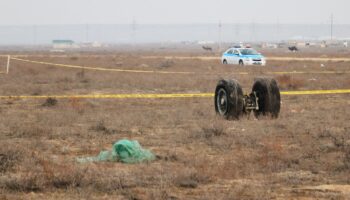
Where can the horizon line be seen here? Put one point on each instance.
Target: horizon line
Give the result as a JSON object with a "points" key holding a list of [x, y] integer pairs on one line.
{"points": [[169, 24]]}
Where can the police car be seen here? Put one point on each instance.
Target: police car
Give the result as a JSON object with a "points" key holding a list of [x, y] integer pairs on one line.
{"points": [[243, 56]]}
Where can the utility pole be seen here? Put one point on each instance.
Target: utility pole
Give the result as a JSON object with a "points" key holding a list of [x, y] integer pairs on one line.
{"points": [[332, 27], [8, 64], [87, 30], [277, 30], [133, 29], [254, 31], [220, 37], [237, 31], [35, 35]]}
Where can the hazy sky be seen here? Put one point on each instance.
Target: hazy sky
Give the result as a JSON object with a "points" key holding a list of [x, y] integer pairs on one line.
{"points": [[29, 12]]}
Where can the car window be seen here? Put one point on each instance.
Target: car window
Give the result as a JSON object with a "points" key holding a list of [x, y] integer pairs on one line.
{"points": [[236, 52], [230, 51], [249, 52]]}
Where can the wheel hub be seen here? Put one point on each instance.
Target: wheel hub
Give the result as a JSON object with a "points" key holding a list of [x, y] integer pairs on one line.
{"points": [[222, 101]]}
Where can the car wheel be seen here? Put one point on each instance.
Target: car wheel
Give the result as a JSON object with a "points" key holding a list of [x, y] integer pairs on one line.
{"points": [[224, 62], [241, 62], [228, 99], [269, 98]]}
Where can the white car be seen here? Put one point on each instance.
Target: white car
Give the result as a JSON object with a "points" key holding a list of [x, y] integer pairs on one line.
{"points": [[243, 56]]}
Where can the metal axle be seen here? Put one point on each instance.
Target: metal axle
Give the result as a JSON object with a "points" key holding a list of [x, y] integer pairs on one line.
{"points": [[250, 102]]}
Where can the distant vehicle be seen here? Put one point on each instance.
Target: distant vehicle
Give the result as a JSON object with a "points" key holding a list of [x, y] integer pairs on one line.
{"points": [[207, 48], [243, 56], [293, 49]]}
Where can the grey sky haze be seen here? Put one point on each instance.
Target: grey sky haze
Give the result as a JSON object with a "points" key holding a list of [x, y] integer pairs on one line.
{"points": [[29, 12]]}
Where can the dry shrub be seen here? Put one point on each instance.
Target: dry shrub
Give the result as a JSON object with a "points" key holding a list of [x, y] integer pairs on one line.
{"points": [[9, 157], [22, 130], [169, 157], [250, 191], [270, 154], [273, 157], [50, 102], [101, 127], [77, 105], [37, 92], [28, 182], [346, 159], [288, 82], [191, 179], [187, 182], [74, 58], [213, 131], [215, 135], [38, 174], [330, 141], [61, 175], [27, 177], [81, 74], [216, 128], [167, 64], [109, 181]]}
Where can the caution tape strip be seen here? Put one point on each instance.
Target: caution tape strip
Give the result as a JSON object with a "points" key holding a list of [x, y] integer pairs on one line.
{"points": [[268, 58], [158, 96], [171, 72], [309, 59], [100, 68], [316, 92], [310, 72], [274, 58], [112, 96]]}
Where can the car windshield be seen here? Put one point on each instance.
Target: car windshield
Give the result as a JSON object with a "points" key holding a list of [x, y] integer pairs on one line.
{"points": [[249, 52]]}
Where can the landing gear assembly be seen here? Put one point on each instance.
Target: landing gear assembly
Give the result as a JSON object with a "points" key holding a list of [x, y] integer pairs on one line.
{"points": [[264, 100]]}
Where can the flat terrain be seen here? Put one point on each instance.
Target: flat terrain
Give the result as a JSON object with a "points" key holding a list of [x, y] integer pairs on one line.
{"points": [[304, 154]]}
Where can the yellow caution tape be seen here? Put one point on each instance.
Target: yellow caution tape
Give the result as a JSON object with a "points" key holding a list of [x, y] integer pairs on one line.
{"points": [[268, 58], [113, 96], [157, 96], [311, 72], [100, 68], [172, 72], [315, 92], [309, 59], [274, 58]]}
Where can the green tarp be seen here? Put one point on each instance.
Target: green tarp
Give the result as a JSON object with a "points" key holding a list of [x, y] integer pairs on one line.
{"points": [[125, 151]]}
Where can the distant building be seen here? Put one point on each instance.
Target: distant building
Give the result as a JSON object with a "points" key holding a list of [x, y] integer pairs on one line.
{"points": [[205, 42], [64, 44], [269, 46], [301, 44], [91, 45]]}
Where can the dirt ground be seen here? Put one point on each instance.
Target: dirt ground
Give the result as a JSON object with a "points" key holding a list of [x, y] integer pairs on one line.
{"points": [[304, 154]]}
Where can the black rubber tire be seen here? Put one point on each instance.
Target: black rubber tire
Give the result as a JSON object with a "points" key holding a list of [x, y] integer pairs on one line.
{"points": [[224, 62], [241, 62], [232, 106], [269, 97]]}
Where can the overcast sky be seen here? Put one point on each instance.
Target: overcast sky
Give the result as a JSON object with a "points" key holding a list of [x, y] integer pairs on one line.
{"points": [[40, 12]]}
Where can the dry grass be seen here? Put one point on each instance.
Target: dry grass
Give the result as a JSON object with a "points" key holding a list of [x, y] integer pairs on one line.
{"points": [[200, 156], [288, 82]]}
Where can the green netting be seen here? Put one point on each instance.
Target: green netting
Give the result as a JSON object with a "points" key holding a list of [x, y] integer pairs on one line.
{"points": [[125, 151]]}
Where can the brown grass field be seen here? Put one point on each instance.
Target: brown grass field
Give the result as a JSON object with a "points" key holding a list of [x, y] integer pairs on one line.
{"points": [[304, 154]]}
